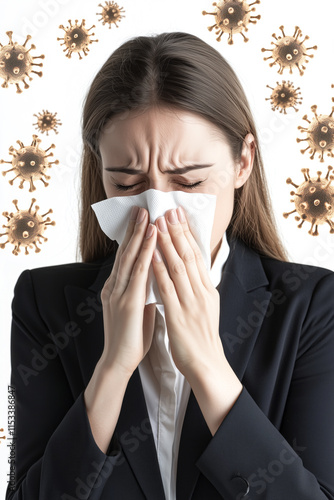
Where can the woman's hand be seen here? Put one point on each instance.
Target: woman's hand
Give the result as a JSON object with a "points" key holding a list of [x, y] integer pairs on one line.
{"points": [[192, 313], [128, 323], [192, 303]]}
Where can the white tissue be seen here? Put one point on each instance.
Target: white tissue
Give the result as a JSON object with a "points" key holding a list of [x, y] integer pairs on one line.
{"points": [[113, 215]]}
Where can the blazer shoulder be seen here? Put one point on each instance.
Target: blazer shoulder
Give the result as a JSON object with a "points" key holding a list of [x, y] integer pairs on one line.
{"points": [[65, 273], [49, 281], [294, 276]]}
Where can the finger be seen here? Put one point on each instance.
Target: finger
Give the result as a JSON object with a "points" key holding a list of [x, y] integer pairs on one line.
{"points": [[184, 249], [131, 253], [127, 254], [203, 271], [165, 284], [128, 235], [110, 282], [176, 266], [136, 282]]}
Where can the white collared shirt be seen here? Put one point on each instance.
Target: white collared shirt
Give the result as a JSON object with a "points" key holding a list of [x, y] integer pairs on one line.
{"points": [[167, 391]]}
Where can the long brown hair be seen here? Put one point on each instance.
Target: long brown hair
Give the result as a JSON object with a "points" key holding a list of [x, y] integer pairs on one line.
{"points": [[181, 71]]}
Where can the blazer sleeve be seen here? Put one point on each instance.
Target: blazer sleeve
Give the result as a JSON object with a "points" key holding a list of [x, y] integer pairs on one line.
{"points": [[54, 453], [248, 457]]}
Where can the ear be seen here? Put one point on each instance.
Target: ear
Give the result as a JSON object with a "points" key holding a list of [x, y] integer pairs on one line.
{"points": [[245, 166]]}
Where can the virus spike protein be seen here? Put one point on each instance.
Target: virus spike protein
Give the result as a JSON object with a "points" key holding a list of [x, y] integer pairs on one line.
{"points": [[25, 228], [16, 63], [289, 51], [232, 17], [30, 163], [314, 200]]}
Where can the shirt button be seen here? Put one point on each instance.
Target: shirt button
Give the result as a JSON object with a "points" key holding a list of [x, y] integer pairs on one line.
{"points": [[241, 483]]}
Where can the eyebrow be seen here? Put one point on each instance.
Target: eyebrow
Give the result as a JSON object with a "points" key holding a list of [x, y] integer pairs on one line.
{"points": [[135, 171]]}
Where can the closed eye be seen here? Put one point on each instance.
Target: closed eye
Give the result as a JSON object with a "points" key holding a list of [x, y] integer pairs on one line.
{"points": [[122, 187]]}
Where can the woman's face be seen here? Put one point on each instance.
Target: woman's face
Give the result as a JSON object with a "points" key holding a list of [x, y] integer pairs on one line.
{"points": [[150, 150]]}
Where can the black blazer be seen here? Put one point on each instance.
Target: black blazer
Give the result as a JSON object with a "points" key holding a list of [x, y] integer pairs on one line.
{"points": [[277, 441]]}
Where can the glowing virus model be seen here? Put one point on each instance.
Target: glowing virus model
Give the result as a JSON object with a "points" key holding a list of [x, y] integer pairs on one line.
{"points": [[16, 63], [314, 200], [232, 16], [320, 134], [47, 121], [289, 51], [26, 228], [30, 163], [111, 13], [284, 96], [77, 38]]}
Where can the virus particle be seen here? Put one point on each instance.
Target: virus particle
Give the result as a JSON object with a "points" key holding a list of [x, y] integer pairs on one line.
{"points": [[314, 200], [47, 121], [16, 63], [320, 134], [289, 51], [26, 228], [231, 17], [284, 96], [111, 13], [77, 38], [30, 163]]}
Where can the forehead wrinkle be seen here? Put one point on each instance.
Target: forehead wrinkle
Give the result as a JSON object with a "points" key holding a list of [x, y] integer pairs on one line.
{"points": [[160, 143], [154, 139]]}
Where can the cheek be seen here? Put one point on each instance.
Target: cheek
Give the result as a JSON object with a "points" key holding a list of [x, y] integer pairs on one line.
{"points": [[223, 214], [222, 183], [224, 191]]}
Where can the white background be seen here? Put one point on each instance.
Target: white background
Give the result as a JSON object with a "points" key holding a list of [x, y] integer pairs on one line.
{"points": [[65, 82]]}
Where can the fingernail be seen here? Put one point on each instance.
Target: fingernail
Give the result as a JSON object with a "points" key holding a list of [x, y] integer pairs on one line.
{"points": [[162, 224], [181, 214], [140, 216], [134, 213], [172, 217], [157, 256], [149, 231]]}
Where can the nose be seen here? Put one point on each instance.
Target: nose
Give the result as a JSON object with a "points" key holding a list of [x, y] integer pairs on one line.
{"points": [[161, 182]]}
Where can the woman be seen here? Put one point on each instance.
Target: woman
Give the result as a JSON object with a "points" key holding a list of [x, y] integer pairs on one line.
{"points": [[250, 347]]}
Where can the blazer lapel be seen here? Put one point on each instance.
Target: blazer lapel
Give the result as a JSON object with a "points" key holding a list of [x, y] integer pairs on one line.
{"points": [[243, 282], [133, 427], [135, 434]]}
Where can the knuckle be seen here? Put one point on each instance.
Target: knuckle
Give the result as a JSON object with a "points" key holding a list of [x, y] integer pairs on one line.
{"points": [[197, 253], [126, 257], [105, 294], [178, 267], [167, 289], [189, 255], [124, 304], [138, 268], [107, 289], [147, 243], [187, 232]]}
